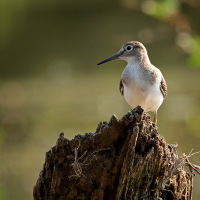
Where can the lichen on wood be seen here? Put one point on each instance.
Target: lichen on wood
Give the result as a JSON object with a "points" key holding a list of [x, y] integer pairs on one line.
{"points": [[124, 159]]}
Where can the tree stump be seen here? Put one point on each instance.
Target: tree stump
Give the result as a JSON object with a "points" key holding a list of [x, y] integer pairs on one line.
{"points": [[124, 159]]}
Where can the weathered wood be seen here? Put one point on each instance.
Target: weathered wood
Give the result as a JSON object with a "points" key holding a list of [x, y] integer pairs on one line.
{"points": [[124, 159]]}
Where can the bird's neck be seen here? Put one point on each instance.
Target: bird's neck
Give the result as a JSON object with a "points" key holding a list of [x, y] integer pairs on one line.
{"points": [[138, 68], [142, 61]]}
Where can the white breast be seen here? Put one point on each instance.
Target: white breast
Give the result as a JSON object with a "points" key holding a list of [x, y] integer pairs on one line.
{"points": [[138, 90]]}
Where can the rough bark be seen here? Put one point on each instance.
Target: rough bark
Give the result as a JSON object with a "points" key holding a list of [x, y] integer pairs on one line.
{"points": [[124, 159]]}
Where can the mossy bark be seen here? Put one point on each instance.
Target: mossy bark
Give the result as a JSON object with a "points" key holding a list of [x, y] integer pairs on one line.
{"points": [[124, 159]]}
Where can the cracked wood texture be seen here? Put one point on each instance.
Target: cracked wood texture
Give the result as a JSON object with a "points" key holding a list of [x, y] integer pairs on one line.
{"points": [[124, 159]]}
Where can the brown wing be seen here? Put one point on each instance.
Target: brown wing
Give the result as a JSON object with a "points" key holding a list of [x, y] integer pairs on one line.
{"points": [[163, 87], [121, 87]]}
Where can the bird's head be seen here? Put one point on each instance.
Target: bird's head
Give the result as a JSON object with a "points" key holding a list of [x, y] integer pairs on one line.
{"points": [[130, 51]]}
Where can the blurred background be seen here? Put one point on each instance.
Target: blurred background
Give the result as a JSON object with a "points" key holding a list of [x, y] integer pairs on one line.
{"points": [[49, 80]]}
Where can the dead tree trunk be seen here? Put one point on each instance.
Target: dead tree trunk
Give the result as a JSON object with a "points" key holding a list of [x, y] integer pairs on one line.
{"points": [[124, 159]]}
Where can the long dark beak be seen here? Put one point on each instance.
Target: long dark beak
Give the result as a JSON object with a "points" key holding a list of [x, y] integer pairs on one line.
{"points": [[113, 57]]}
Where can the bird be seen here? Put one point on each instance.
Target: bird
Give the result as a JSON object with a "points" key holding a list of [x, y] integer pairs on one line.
{"points": [[141, 82]]}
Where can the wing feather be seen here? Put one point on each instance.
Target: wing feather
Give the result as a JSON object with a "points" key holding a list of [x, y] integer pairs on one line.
{"points": [[121, 87], [163, 87]]}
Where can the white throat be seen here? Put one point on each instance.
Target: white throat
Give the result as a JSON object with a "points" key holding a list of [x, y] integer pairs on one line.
{"points": [[136, 69]]}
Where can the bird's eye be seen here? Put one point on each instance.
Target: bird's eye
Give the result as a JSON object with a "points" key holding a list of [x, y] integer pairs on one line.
{"points": [[129, 48]]}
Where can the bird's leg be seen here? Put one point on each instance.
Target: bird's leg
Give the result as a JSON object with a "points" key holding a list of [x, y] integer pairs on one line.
{"points": [[155, 117]]}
